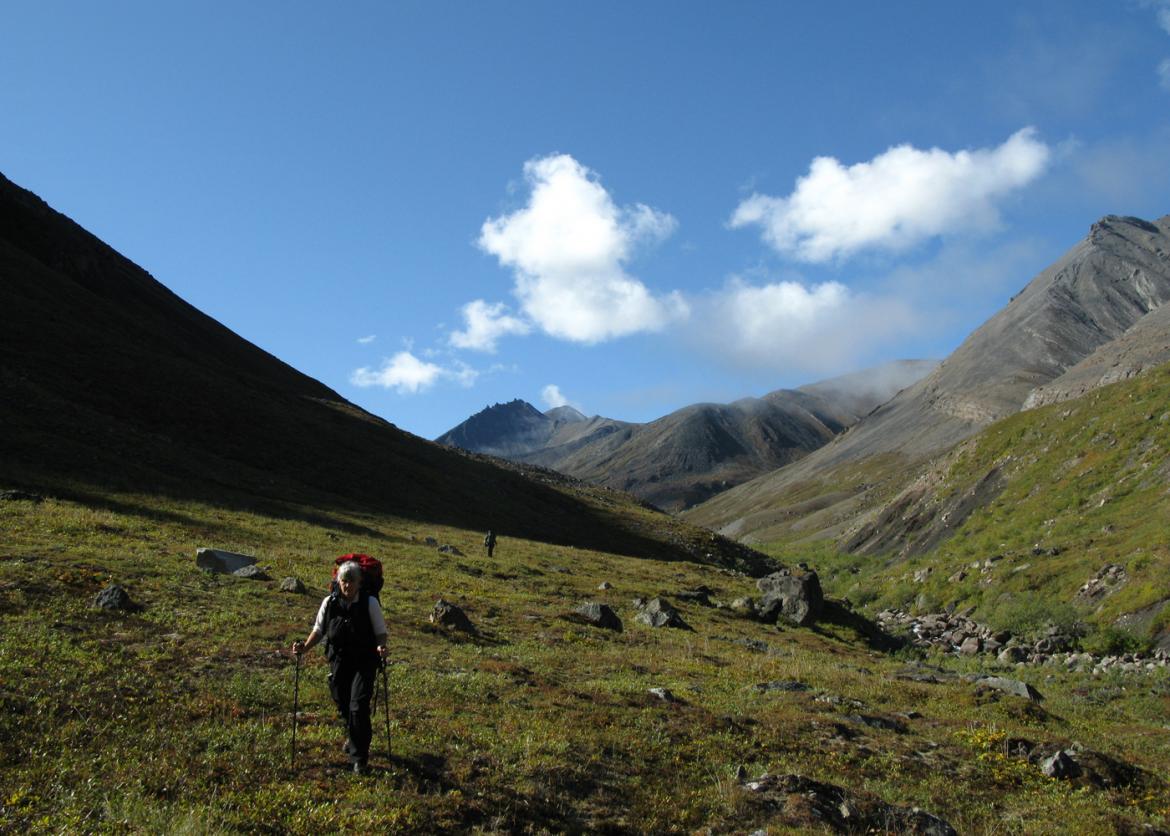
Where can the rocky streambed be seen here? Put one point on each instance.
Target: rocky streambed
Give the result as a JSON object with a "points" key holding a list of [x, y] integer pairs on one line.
{"points": [[959, 634]]}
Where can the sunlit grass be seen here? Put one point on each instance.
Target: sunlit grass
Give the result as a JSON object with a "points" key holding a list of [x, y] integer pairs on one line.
{"points": [[177, 718]]}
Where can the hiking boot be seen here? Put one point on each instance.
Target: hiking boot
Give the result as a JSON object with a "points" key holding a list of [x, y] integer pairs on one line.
{"points": [[360, 768]]}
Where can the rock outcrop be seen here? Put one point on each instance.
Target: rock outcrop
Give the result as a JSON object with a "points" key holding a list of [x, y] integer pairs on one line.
{"points": [[793, 596]]}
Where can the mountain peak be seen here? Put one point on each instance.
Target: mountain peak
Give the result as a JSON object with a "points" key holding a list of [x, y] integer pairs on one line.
{"points": [[503, 429], [566, 414]]}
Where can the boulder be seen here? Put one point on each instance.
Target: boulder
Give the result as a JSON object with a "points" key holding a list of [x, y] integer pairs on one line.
{"points": [[659, 613], [794, 597], [1010, 686], [446, 614], [599, 615], [113, 597], [220, 562], [970, 646], [447, 548], [1061, 765], [664, 694], [1012, 655], [292, 585]]}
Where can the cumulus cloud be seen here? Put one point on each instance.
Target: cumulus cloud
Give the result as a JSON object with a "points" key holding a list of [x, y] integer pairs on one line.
{"points": [[486, 324], [819, 328], [568, 248], [552, 397], [899, 198], [407, 374]]}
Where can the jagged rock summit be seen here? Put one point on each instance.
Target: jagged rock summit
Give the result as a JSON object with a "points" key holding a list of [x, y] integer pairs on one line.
{"points": [[510, 430]]}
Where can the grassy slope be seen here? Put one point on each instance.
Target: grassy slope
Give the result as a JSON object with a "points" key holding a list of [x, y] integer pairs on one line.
{"points": [[1087, 479], [177, 718]]}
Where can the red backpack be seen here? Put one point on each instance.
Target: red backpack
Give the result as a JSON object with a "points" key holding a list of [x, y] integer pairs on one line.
{"points": [[371, 572]]}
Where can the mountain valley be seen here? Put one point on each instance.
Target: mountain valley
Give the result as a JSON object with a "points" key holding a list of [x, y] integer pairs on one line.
{"points": [[1019, 487]]}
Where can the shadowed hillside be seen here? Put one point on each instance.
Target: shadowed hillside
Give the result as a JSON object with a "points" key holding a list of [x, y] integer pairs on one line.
{"points": [[109, 380]]}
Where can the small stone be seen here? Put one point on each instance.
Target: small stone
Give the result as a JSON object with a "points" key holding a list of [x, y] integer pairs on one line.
{"points": [[664, 694], [252, 573], [113, 597]]}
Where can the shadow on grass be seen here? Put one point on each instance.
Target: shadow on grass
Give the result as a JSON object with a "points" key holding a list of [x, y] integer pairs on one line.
{"points": [[834, 612], [478, 638], [259, 506]]}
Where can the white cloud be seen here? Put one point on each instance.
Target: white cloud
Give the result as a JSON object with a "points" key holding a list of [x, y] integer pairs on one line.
{"points": [[1162, 10], [462, 374], [367, 340], [1164, 74], [788, 325], [899, 198], [486, 324], [568, 248], [552, 397], [403, 372]]}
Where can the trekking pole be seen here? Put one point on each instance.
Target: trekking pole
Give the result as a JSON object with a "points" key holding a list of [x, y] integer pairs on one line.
{"points": [[386, 700], [296, 705]]}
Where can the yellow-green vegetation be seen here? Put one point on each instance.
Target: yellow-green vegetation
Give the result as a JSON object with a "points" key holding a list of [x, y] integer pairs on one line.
{"points": [[1085, 484], [177, 717]]}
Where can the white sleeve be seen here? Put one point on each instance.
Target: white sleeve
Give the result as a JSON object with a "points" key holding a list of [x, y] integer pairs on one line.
{"points": [[376, 619], [319, 624]]}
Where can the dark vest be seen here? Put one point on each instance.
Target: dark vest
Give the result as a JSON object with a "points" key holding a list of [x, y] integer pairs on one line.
{"points": [[349, 635]]}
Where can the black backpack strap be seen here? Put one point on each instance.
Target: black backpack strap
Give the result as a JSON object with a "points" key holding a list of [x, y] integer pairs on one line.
{"points": [[330, 606]]}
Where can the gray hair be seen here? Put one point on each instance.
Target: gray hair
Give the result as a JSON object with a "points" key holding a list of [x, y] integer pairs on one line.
{"points": [[350, 571]]}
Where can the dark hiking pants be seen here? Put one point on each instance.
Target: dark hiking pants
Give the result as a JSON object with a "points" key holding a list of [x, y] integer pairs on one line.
{"points": [[352, 686]]}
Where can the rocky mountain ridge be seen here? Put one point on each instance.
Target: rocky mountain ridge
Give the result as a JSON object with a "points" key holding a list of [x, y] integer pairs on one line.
{"points": [[1098, 305], [693, 453]]}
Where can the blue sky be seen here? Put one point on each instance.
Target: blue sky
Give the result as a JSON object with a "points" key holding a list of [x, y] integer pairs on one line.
{"points": [[627, 206]]}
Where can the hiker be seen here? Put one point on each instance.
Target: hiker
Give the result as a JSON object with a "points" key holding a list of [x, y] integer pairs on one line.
{"points": [[351, 623], [489, 542]]}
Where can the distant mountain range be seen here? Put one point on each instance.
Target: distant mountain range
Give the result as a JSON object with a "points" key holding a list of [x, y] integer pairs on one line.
{"points": [[693, 453], [1093, 317]]}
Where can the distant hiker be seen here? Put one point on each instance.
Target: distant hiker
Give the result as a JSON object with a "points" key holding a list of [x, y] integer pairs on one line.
{"points": [[489, 542], [351, 623]]}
